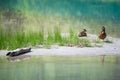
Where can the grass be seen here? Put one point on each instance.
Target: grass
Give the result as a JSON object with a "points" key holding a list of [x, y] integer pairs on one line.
{"points": [[21, 38], [97, 41], [85, 42], [57, 34], [35, 27]]}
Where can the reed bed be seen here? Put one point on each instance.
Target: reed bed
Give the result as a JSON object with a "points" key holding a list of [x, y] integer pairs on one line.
{"points": [[13, 40]]}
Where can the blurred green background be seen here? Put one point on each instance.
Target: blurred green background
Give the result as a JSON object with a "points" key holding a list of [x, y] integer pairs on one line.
{"points": [[42, 16]]}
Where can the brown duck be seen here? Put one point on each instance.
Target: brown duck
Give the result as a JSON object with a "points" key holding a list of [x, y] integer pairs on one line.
{"points": [[102, 34], [83, 33]]}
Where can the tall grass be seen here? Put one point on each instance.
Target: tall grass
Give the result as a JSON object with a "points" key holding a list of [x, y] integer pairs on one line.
{"points": [[18, 39], [50, 38], [57, 35]]}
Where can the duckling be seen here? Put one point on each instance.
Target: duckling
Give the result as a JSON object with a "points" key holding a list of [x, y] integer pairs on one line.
{"points": [[83, 33], [102, 35]]}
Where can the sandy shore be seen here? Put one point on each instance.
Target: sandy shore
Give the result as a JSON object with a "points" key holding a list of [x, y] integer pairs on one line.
{"points": [[107, 48]]}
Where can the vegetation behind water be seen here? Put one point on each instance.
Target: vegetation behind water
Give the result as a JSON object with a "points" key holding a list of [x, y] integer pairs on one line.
{"points": [[27, 22]]}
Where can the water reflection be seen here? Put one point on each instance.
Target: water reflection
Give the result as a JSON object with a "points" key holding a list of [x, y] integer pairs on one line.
{"points": [[42, 68]]}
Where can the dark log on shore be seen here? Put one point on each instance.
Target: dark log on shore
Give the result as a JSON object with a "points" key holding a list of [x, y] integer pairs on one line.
{"points": [[18, 52]]}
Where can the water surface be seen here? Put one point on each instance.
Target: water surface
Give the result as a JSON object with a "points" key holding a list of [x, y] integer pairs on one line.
{"points": [[61, 68]]}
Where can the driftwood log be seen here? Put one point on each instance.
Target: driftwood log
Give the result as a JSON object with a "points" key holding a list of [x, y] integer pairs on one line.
{"points": [[18, 52]]}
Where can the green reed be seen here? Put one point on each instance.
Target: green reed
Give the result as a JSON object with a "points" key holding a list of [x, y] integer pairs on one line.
{"points": [[13, 40]]}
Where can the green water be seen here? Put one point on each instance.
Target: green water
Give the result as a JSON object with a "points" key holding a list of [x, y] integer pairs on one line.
{"points": [[96, 9], [83, 9], [60, 68], [89, 14]]}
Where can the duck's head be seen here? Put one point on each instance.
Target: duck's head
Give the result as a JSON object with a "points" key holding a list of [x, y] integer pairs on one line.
{"points": [[103, 28], [84, 30]]}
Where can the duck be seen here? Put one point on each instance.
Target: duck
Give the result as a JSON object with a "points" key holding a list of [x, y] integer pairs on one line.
{"points": [[83, 33], [102, 35]]}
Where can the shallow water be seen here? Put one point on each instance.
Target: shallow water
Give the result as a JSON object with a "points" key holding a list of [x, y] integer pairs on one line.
{"points": [[60, 68]]}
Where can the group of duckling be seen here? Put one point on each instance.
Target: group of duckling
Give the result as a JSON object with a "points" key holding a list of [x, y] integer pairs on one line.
{"points": [[102, 35]]}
